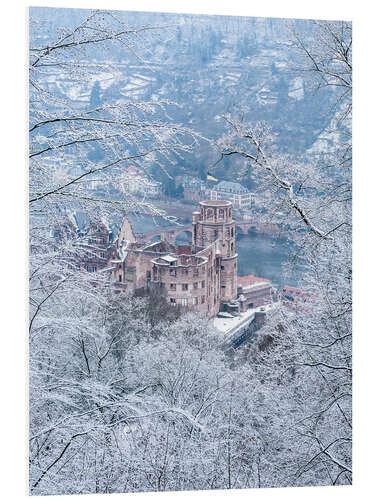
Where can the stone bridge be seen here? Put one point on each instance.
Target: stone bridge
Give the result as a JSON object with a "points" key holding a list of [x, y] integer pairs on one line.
{"points": [[249, 226], [170, 234]]}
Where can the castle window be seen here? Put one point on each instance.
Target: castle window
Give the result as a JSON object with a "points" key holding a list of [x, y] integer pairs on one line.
{"points": [[195, 285], [173, 301], [184, 302], [120, 277], [172, 286], [195, 301], [102, 255], [232, 232], [196, 271], [172, 272], [203, 299], [203, 284], [185, 286]]}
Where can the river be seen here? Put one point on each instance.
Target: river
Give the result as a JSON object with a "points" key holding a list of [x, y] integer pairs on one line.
{"points": [[267, 257]]}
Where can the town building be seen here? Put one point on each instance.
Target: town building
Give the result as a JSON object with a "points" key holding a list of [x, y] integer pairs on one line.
{"points": [[135, 181], [195, 189], [254, 292], [241, 197], [94, 241], [293, 295]]}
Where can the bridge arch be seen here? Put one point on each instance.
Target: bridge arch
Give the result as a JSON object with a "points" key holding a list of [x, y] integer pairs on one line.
{"points": [[154, 238], [240, 231], [247, 228]]}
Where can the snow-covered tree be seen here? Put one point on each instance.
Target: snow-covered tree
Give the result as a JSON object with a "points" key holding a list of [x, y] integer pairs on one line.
{"points": [[63, 133], [127, 395], [310, 198], [72, 350]]}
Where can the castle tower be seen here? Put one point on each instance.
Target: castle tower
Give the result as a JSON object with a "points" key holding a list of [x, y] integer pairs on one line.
{"points": [[214, 223]]}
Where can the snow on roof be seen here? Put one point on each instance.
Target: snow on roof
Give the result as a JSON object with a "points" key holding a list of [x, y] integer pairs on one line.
{"points": [[224, 315], [231, 187], [250, 280], [169, 258]]}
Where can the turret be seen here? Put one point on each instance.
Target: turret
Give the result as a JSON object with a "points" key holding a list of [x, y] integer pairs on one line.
{"points": [[215, 224]]}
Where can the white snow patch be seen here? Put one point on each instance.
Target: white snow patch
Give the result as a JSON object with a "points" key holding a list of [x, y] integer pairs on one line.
{"points": [[296, 89]]}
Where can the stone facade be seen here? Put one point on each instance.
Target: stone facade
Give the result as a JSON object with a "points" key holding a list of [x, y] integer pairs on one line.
{"points": [[254, 292], [94, 238], [185, 278], [214, 223], [97, 247], [131, 269], [199, 277]]}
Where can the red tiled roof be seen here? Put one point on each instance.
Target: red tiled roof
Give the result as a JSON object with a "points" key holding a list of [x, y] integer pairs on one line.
{"points": [[250, 279], [291, 290], [295, 293]]}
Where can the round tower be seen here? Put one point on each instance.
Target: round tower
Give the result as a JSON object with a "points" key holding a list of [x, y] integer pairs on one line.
{"points": [[214, 225]]}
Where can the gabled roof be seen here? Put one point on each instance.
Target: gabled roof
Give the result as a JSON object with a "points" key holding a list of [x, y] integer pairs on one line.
{"points": [[80, 220], [231, 187]]}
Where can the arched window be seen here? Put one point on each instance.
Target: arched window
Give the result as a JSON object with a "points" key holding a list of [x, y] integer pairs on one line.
{"points": [[221, 213], [210, 213]]}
